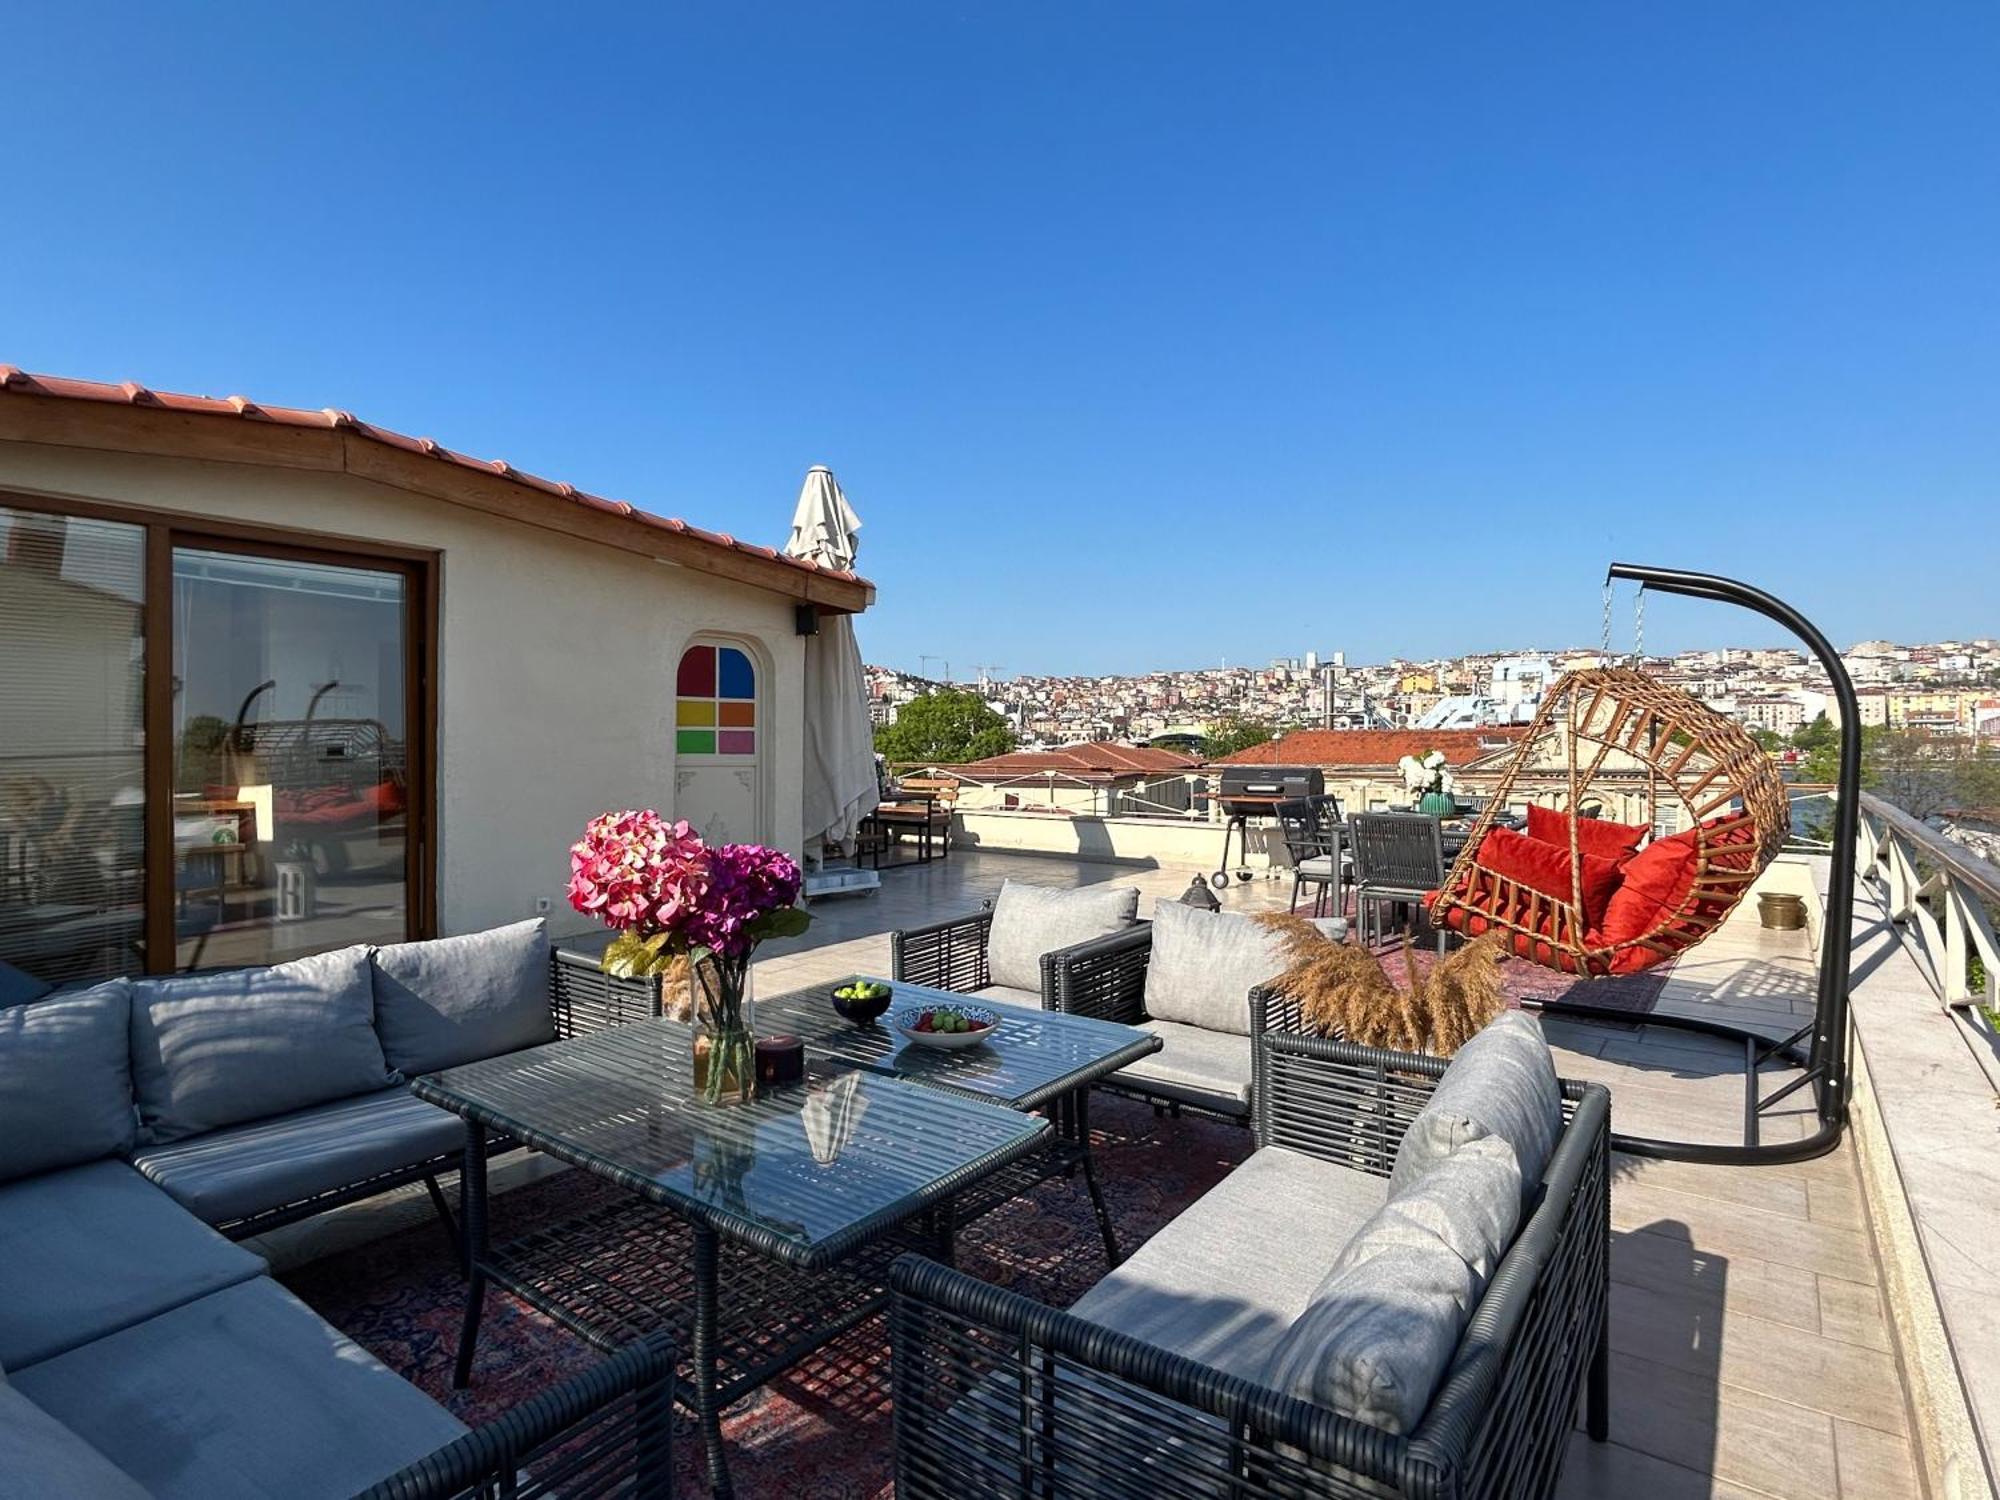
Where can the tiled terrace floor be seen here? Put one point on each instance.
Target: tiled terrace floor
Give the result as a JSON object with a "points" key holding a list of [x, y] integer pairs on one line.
{"points": [[1752, 1354]]}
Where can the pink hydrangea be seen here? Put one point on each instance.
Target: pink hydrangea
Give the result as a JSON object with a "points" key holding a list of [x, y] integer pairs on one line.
{"points": [[636, 872]]}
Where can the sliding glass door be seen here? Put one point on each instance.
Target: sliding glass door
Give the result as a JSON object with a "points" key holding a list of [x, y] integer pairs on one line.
{"points": [[72, 746], [213, 747], [291, 785]]}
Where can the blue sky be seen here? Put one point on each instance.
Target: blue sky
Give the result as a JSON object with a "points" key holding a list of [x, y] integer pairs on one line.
{"points": [[1449, 305]]}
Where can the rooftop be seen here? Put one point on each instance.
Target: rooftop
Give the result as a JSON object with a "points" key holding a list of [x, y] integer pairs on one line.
{"points": [[1096, 760], [237, 428], [1754, 1313], [1374, 747]]}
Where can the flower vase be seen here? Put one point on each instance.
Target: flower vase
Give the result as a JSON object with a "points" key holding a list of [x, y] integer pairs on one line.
{"points": [[1438, 804], [721, 1014]]}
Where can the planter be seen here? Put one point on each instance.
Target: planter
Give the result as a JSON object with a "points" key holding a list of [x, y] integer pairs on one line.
{"points": [[1781, 911], [1438, 805]]}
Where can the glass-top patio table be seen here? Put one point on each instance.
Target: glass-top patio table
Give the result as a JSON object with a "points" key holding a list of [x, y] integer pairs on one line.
{"points": [[1035, 1059], [780, 1215]]}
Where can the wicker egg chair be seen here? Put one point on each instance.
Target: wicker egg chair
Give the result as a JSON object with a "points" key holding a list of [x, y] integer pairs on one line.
{"points": [[1616, 729]]}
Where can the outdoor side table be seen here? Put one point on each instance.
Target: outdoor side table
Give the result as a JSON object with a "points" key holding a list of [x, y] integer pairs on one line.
{"points": [[754, 1232]]}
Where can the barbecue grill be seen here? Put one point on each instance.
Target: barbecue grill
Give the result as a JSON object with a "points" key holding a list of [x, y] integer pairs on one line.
{"points": [[1252, 793]]}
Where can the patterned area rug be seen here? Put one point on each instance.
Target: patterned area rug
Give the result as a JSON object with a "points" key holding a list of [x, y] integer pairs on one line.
{"points": [[823, 1431]]}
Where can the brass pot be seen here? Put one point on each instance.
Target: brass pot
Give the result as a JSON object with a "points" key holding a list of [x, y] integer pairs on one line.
{"points": [[1781, 911]]}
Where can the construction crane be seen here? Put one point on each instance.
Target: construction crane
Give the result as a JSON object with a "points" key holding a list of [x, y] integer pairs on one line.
{"points": [[986, 671], [922, 661]]}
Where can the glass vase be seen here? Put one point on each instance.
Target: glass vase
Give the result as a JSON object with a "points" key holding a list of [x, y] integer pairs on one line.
{"points": [[722, 1018]]}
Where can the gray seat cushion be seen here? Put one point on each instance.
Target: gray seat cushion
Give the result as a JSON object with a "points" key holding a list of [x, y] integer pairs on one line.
{"points": [[65, 1080], [93, 1249], [1208, 1069], [1502, 1082], [1010, 996], [1378, 1333], [1224, 1281], [462, 999], [210, 1050], [244, 1393], [1319, 867], [1204, 964], [246, 1169], [1030, 920], [41, 1457]]}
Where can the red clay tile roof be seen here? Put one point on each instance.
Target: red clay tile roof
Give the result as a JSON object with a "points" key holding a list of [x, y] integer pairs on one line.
{"points": [[15, 381], [1374, 747], [1098, 759]]}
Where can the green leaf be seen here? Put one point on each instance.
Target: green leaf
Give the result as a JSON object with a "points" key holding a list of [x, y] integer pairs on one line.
{"points": [[627, 957], [786, 921]]}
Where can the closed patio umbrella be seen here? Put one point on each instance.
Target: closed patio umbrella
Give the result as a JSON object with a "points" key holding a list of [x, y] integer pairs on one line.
{"points": [[839, 788]]}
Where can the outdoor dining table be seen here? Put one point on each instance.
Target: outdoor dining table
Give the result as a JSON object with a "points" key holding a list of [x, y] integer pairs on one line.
{"points": [[754, 1233]]}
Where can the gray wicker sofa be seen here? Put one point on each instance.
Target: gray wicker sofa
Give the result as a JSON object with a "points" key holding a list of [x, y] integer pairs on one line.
{"points": [[1402, 1292], [142, 1351], [1186, 976], [267, 1095]]}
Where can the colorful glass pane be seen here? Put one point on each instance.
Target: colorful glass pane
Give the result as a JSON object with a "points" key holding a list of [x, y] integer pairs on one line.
{"points": [[695, 741], [739, 678], [737, 715], [697, 673], [736, 742], [694, 711]]}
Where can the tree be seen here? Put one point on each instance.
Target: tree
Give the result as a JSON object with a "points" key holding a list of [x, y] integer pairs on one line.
{"points": [[1231, 733], [945, 726], [1817, 735], [1920, 772], [1767, 740]]}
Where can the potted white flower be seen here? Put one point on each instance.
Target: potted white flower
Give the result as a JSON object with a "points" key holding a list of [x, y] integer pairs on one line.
{"points": [[1430, 781]]}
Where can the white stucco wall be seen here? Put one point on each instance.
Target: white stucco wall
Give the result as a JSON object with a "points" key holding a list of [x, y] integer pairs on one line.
{"points": [[556, 661]]}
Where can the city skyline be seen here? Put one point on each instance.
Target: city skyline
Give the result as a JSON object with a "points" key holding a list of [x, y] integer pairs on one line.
{"points": [[1127, 332]]}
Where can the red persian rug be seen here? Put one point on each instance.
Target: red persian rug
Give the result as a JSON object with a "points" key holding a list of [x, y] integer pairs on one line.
{"points": [[823, 1430]]}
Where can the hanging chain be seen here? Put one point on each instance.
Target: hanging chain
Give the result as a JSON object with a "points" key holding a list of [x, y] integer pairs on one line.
{"points": [[1607, 622], [1639, 627]]}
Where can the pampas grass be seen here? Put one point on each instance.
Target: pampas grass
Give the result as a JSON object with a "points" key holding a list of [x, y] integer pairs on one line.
{"points": [[1342, 991]]}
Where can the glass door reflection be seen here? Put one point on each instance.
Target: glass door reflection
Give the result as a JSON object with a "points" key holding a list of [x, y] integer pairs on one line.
{"points": [[291, 757]]}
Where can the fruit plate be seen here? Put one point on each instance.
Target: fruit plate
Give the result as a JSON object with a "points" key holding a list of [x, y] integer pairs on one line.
{"points": [[905, 1020]]}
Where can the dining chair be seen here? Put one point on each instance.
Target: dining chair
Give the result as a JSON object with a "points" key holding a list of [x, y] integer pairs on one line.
{"points": [[1312, 842], [1398, 860]]}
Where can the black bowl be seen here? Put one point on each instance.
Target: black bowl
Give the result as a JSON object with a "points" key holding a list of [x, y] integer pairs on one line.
{"points": [[861, 1012]]}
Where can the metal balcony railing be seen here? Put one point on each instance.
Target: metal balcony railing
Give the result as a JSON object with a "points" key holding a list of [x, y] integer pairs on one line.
{"points": [[1943, 897]]}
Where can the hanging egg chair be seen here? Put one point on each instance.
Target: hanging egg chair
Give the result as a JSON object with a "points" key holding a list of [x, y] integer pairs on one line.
{"points": [[1577, 892]]}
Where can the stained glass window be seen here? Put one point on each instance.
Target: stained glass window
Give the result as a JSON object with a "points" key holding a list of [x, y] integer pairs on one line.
{"points": [[716, 708]]}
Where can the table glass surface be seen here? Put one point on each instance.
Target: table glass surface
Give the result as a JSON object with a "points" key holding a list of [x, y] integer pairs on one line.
{"points": [[805, 1165], [1032, 1055]]}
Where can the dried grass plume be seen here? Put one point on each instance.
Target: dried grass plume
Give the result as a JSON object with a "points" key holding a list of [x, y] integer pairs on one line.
{"points": [[1342, 991]]}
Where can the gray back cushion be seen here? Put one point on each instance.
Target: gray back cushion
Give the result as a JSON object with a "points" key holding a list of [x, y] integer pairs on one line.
{"points": [[1501, 1083], [18, 987], [1381, 1328], [1204, 964], [210, 1050], [1471, 1200], [460, 999], [1030, 920], [65, 1080]]}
